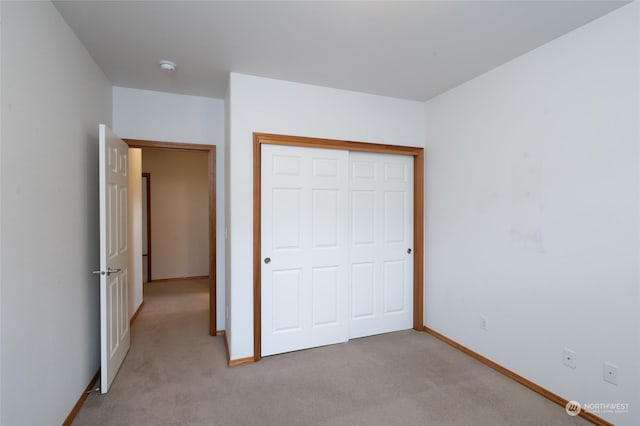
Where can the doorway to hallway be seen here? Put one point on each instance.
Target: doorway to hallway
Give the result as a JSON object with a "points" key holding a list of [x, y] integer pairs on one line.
{"points": [[210, 206]]}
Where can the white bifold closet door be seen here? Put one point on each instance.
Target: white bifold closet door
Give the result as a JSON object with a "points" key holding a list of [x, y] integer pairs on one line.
{"points": [[381, 243], [336, 242], [304, 245]]}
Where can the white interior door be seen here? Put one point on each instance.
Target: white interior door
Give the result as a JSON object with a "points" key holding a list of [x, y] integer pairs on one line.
{"points": [[114, 280], [304, 222], [381, 243]]}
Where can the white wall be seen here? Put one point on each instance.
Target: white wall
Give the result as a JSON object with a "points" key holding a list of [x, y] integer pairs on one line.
{"points": [[532, 214], [1, 133], [179, 212], [135, 229], [1, 32], [227, 215], [53, 98], [265, 105], [157, 116]]}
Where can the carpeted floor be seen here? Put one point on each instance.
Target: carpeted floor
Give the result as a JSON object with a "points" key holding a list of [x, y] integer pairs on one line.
{"points": [[176, 374]]}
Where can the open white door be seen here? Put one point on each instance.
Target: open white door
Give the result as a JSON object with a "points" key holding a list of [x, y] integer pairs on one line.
{"points": [[114, 268]]}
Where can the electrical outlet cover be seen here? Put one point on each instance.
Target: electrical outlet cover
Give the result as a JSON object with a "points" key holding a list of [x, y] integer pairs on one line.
{"points": [[610, 373], [484, 323], [569, 358]]}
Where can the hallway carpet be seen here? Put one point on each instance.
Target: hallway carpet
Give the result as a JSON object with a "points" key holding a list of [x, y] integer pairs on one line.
{"points": [[176, 374]]}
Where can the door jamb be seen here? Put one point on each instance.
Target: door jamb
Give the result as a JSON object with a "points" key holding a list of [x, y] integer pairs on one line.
{"points": [[211, 150], [418, 216], [148, 202]]}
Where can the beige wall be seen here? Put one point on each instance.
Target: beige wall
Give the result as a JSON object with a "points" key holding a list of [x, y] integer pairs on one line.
{"points": [[179, 212], [135, 229]]}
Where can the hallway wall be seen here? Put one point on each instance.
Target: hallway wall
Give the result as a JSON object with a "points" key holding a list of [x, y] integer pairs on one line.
{"points": [[167, 117], [179, 212]]}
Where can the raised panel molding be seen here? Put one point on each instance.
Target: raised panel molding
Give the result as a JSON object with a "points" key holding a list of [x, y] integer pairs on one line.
{"points": [[325, 167], [394, 296], [394, 208], [286, 300], [363, 217], [325, 218], [286, 166], [362, 290], [287, 220], [325, 296]]}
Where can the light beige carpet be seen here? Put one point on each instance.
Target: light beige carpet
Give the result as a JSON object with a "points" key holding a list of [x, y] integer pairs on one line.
{"points": [[176, 374]]}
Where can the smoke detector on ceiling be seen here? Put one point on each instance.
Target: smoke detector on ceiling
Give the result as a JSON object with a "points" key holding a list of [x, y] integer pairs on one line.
{"points": [[167, 66]]}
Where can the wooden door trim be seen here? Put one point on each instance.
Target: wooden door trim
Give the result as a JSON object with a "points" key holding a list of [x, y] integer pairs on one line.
{"points": [[211, 151], [148, 202], [418, 216]]}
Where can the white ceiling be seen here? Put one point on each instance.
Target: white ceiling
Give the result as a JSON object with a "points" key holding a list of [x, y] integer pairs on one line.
{"points": [[412, 50]]}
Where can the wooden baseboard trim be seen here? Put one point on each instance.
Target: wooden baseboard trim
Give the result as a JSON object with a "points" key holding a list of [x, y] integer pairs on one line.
{"points": [[241, 361], [234, 362], [164, 280], [220, 333], [136, 313], [74, 411], [525, 382]]}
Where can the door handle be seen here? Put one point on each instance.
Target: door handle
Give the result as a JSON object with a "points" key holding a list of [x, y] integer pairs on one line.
{"points": [[112, 271], [409, 250], [108, 272], [267, 260]]}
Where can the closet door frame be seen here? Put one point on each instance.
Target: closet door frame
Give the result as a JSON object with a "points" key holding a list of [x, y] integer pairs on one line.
{"points": [[418, 215]]}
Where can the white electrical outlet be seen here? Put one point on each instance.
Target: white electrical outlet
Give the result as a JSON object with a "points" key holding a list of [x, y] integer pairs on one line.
{"points": [[610, 373], [484, 323], [569, 358]]}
